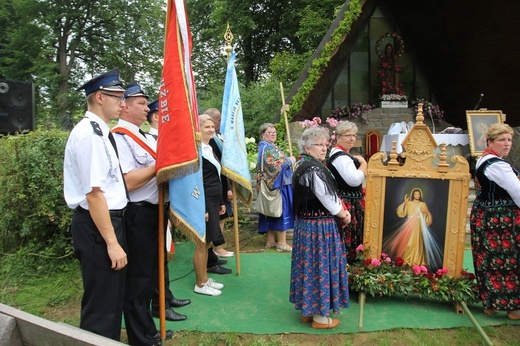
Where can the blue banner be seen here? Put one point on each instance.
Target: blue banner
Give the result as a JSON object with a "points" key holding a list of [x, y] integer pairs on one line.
{"points": [[234, 154]]}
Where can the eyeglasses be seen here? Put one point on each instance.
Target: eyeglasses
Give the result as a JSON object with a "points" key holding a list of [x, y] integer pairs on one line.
{"points": [[121, 98], [350, 135], [321, 145]]}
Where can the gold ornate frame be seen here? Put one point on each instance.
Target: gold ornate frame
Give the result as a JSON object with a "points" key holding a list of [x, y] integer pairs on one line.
{"points": [[420, 164], [478, 122]]}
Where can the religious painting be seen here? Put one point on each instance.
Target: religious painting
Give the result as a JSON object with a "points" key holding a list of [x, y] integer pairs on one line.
{"points": [[414, 220], [416, 203], [479, 122]]}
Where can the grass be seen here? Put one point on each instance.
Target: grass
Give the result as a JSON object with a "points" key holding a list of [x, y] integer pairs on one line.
{"points": [[52, 289]]}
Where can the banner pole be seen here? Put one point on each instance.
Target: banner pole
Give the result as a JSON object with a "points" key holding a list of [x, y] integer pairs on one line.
{"points": [[162, 294], [284, 112]]}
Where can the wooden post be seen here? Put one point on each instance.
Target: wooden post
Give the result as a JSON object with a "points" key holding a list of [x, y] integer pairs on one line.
{"points": [[284, 112], [162, 293]]}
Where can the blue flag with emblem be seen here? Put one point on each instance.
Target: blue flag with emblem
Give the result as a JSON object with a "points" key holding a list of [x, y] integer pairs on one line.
{"points": [[234, 154]]}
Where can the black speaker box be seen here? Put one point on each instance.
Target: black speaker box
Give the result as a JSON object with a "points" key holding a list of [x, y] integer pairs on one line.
{"points": [[16, 106]]}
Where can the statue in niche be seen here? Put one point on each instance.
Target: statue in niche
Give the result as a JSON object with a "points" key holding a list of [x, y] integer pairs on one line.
{"points": [[389, 69]]}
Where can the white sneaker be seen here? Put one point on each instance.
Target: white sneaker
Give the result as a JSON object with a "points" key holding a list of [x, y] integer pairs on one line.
{"points": [[214, 284], [207, 290]]}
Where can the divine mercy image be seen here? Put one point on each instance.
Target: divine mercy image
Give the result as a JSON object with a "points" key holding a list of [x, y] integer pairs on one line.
{"points": [[415, 221]]}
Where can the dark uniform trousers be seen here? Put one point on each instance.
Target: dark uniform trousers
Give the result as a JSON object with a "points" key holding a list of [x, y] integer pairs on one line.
{"points": [[141, 229], [104, 288]]}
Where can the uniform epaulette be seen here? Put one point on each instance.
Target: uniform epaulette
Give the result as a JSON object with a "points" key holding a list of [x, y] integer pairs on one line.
{"points": [[96, 128]]}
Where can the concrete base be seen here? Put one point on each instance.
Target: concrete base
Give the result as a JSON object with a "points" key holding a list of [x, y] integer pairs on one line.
{"points": [[20, 328]]}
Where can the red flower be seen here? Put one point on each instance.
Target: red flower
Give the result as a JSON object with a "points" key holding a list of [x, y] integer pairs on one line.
{"points": [[399, 261], [499, 261], [367, 261], [510, 285], [496, 285], [493, 244], [513, 260], [507, 219], [506, 244]]}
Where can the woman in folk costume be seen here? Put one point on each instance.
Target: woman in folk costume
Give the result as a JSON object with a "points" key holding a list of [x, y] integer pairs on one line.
{"points": [[349, 171], [318, 266], [495, 224], [275, 168]]}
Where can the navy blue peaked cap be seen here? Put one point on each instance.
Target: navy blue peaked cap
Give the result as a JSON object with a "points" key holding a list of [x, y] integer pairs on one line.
{"points": [[108, 81], [133, 90], [154, 106]]}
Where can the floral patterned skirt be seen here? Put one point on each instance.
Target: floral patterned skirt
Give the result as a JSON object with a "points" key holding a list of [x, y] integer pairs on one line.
{"points": [[495, 241], [353, 233], [318, 267]]}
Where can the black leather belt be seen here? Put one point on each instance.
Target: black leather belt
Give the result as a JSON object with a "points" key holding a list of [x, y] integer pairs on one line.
{"points": [[144, 204], [116, 212], [150, 205]]}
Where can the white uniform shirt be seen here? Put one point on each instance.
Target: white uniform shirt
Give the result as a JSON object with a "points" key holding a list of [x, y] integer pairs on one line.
{"points": [[153, 131], [133, 157], [503, 175], [347, 169], [91, 161]]}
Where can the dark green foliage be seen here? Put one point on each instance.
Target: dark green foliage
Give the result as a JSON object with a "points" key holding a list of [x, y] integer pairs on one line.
{"points": [[34, 213]]}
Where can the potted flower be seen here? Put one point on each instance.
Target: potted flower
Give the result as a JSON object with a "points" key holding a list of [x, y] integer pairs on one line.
{"points": [[430, 110], [398, 100]]}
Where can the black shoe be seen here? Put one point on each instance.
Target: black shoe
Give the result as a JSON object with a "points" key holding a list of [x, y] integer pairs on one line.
{"points": [[179, 303], [157, 337], [171, 315], [219, 270], [221, 262]]}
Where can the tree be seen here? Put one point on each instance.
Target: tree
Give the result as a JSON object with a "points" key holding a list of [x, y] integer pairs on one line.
{"points": [[77, 38]]}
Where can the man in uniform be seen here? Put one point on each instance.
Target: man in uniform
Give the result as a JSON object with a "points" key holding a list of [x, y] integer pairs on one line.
{"points": [[94, 188], [137, 156]]}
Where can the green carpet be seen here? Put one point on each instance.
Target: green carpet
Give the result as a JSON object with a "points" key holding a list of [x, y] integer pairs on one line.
{"points": [[257, 302]]}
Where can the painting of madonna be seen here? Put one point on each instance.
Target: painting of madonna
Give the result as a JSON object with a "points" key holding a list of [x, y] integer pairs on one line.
{"points": [[415, 229]]}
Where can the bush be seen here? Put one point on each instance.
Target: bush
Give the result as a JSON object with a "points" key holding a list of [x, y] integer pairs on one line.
{"points": [[33, 209]]}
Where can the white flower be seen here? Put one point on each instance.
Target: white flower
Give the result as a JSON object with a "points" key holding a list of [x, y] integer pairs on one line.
{"points": [[252, 165]]}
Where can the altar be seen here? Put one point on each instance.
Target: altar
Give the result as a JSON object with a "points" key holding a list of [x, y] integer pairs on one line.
{"points": [[456, 144], [452, 140]]}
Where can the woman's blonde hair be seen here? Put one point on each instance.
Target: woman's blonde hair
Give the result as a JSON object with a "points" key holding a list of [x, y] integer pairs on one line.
{"points": [[204, 117], [345, 126], [496, 130]]}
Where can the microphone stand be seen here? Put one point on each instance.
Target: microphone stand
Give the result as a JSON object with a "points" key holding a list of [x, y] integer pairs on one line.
{"points": [[477, 106]]}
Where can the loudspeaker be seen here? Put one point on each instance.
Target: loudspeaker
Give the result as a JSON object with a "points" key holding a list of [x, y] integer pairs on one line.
{"points": [[16, 106]]}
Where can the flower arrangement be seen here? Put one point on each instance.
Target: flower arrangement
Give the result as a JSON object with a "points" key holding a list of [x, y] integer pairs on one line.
{"points": [[393, 97], [356, 111], [430, 110], [386, 277]]}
